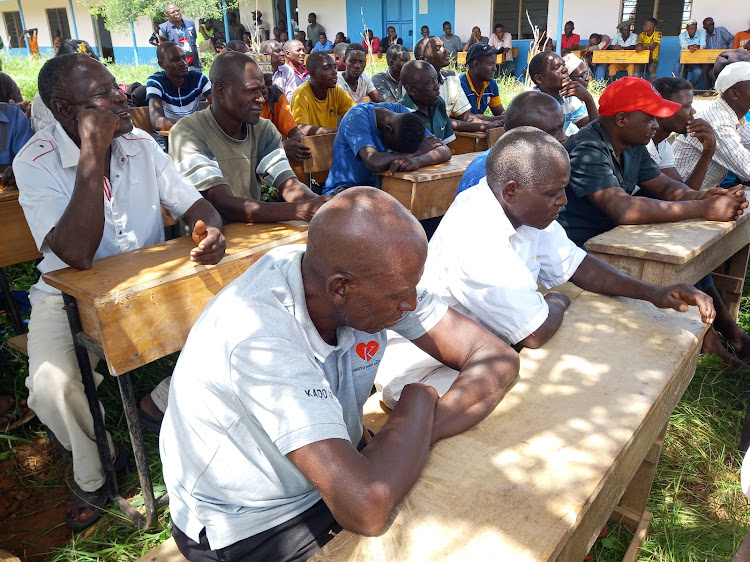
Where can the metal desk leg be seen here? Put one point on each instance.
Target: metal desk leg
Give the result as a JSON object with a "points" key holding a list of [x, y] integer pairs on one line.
{"points": [[83, 344], [15, 317]]}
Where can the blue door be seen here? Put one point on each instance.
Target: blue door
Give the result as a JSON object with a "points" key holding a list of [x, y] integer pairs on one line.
{"points": [[398, 13]]}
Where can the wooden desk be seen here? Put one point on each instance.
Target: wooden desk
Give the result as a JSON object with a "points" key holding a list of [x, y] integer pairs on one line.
{"points": [[427, 192], [317, 166], [135, 307], [681, 252], [701, 56], [461, 58], [621, 56], [475, 142], [542, 474]]}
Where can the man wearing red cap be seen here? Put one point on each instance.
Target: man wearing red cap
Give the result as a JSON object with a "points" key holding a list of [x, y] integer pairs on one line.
{"points": [[608, 158]]}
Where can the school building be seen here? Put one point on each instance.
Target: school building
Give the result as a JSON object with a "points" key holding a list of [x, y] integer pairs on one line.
{"points": [[350, 16]]}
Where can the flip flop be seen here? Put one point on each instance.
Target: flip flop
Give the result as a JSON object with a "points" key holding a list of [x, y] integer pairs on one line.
{"points": [[15, 414], [149, 422]]}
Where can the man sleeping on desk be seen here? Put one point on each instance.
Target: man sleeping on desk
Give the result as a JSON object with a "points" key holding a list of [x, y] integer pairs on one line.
{"points": [[498, 240]]}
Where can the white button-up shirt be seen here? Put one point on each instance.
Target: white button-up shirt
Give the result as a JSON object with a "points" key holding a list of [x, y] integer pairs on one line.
{"points": [[732, 146], [141, 178]]}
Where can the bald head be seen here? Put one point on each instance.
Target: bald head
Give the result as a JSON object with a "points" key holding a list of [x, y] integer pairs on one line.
{"points": [[267, 47], [292, 45], [230, 66], [532, 109], [416, 71]]}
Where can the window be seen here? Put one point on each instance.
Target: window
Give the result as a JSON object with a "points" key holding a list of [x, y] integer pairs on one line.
{"points": [[14, 29], [58, 20], [672, 14], [512, 14]]}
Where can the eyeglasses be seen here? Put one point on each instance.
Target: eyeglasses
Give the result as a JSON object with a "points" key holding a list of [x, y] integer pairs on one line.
{"points": [[584, 76]]}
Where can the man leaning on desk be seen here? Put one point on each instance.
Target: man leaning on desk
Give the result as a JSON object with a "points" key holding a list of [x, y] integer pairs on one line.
{"points": [[91, 187]]}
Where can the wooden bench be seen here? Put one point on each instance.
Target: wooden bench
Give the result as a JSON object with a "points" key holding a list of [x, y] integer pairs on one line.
{"points": [[681, 252], [474, 142], [135, 307], [539, 478], [317, 166], [427, 192], [701, 56], [621, 56], [461, 57]]}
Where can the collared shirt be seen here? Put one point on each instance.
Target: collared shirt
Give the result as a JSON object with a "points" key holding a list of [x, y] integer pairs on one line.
{"points": [[506, 42], [647, 40], [662, 154], [308, 109], [178, 101], [325, 47], [493, 282], [364, 86], [41, 116], [719, 39], [437, 121], [573, 109], [387, 85], [141, 178], [254, 382], [566, 43], [452, 45], [732, 146], [617, 40], [286, 79], [375, 45], [593, 168], [15, 131], [185, 36], [487, 96], [276, 110], [357, 130], [698, 39], [456, 102]]}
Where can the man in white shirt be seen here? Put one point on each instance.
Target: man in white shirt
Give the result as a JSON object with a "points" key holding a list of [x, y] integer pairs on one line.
{"points": [[262, 443], [496, 242], [623, 40], [503, 42], [727, 118], [354, 80], [91, 188]]}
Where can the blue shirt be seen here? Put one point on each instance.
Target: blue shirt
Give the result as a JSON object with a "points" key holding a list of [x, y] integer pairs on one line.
{"points": [[182, 35], [15, 131], [326, 47], [357, 130], [721, 39], [474, 172], [480, 101], [699, 39]]}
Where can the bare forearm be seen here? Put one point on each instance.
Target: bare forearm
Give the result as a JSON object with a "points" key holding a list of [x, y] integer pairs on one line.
{"points": [[549, 327], [435, 156], [468, 126], [599, 277], [312, 130], [644, 210], [162, 124], [203, 210], [293, 190], [695, 179]]}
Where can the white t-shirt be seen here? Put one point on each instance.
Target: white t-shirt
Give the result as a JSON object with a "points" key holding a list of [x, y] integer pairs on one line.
{"points": [[483, 267], [662, 154], [142, 176], [506, 42], [254, 382], [364, 86], [456, 102]]}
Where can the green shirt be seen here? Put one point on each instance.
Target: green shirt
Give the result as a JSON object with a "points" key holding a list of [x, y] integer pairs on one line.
{"points": [[437, 121]]}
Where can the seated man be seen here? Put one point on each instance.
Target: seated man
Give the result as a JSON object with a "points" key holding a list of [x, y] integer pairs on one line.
{"points": [[531, 108], [691, 39], [175, 91], [726, 116], [627, 41], [680, 91], [323, 44], [354, 80], [550, 75], [432, 50], [320, 101], [75, 219], [422, 94], [480, 70], [225, 149], [339, 53], [388, 82], [513, 212], [650, 38], [272, 383], [283, 75], [378, 137]]}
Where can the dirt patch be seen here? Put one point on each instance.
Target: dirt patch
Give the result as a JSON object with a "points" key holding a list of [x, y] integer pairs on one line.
{"points": [[32, 501]]}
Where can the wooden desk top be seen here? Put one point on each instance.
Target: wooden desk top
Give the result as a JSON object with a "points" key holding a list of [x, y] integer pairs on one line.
{"points": [[456, 166], [621, 56], [672, 242], [704, 56], [539, 477], [461, 58], [8, 195]]}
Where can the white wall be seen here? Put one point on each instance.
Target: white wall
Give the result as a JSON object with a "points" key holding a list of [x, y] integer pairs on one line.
{"points": [[143, 31], [589, 17], [35, 15], [734, 15], [469, 14], [266, 9], [331, 15]]}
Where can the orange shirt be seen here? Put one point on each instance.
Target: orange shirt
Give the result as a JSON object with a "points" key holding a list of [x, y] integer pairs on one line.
{"points": [[282, 117], [741, 39], [34, 43]]}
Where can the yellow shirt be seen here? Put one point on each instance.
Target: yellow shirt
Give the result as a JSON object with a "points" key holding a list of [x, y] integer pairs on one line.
{"points": [[646, 41], [308, 109]]}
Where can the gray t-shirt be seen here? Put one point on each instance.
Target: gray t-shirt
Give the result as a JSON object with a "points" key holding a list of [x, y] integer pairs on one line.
{"points": [[387, 85], [452, 45], [254, 382]]}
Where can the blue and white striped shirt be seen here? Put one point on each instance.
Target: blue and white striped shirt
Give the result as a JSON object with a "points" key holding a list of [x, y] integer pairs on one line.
{"points": [[178, 101]]}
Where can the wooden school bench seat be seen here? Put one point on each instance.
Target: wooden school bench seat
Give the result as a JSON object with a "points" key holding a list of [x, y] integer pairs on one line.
{"points": [[318, 165]]}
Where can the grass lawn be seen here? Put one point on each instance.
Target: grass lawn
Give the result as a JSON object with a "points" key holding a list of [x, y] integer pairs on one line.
{"points": [[699, 511]]}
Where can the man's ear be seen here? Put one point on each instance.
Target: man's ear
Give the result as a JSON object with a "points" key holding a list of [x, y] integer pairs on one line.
{"points": [[621, 119], [510, 191], [61, 108], [338, 287]]}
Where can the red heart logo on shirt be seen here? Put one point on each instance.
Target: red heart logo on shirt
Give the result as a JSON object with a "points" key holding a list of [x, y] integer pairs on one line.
{"points": [[367, 350]]}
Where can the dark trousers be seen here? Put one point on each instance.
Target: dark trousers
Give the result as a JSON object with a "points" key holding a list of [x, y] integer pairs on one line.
{"points": [[296, 539]]}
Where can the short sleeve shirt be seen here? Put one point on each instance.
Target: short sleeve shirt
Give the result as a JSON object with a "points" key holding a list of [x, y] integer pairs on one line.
{"points": [[254, 382], [474, 172], [573, 109], [286, 79], [437, 121], [662, 154], [456, 102], [15, 131], [387, 85], [281, 116], [356, 131], [178, 101], [617, 40], [364, 86], [647, 40], [141, 178], [308, 109], [593, 168], [452, 45], [487, 96]]}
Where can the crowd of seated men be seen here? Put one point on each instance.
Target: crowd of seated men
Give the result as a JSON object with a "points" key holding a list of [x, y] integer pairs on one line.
{"points": [[369, 300]]}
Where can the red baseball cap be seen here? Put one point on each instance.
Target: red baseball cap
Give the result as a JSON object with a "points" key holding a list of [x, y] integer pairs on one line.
{"points": [[635, 94]]}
